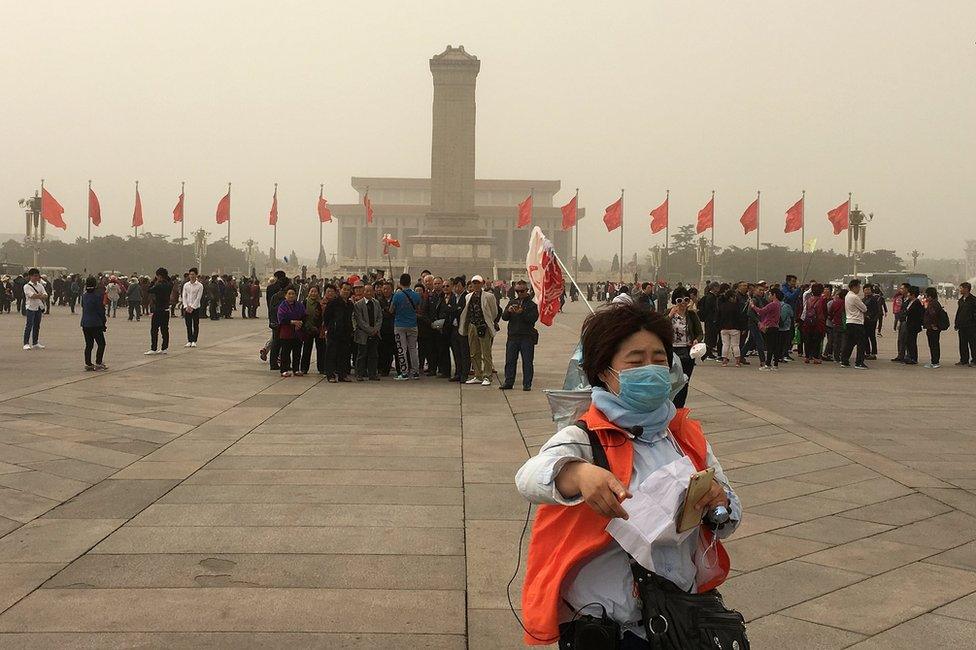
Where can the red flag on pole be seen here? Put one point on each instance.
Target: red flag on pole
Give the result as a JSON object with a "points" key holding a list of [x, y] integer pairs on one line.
{"points": [[325, 214], [369, 209], [389, 241], [51, 210], [223, 209], [614, 216], [178, 210], [750, 218], [94, 209], [525, 212], [659, 217], [273, 215], [706, 217], [840, 216], [794, 217], [569, 213], [545, 275], [137, 212]]}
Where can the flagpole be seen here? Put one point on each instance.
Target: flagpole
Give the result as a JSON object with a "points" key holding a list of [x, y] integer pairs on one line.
{"points": [[711, 252], [228, 214], [621, 235], [758, 220], [366, 234], [88, 249], [136, 228], [576, 237], [182, 223], [803, 225], [274, 231], [667, 233], [321, 189], [573, 280]]}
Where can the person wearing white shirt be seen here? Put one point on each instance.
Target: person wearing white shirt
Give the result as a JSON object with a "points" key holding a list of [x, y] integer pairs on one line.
{"points": [[191, 295], [34, 296], [854, 333]]}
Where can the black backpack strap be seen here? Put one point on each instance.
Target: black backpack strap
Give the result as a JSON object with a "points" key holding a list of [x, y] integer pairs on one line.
{"points": [[599, 453]]}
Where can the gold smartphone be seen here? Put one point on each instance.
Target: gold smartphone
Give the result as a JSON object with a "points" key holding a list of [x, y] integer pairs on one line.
{"points": [[698, 486]]}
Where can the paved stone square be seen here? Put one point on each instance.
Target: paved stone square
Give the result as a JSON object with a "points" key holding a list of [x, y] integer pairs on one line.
{"points": [[197, 500]]}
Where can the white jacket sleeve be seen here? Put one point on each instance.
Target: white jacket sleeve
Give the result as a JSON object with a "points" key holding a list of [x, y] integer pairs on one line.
{"points": [[735, 506], [536, 479]]}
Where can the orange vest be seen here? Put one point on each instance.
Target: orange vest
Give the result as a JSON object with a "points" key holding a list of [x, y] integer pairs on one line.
{"points": [[564, 537]]}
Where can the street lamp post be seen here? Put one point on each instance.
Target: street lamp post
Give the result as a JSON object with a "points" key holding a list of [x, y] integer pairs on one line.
{"points": [[249, 255], [34, 236], [656, 260], [703, 254], [200, 247], [857, 234], [915, 255]]}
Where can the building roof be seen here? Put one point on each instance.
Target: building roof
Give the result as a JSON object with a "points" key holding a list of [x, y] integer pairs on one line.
{"points": [[360, 183]]}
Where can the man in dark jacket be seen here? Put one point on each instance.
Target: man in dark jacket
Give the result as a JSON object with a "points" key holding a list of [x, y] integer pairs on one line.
{"points": [[708, 313], [338, 322], [914, 314], [521, 314], [459, 342], [273, 296], [965, 324]]}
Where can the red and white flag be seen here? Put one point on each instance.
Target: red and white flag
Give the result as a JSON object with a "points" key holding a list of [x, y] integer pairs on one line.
{"points": [[659, 217], [273, 215], [51, 210], [178, 210], [137, 212], [94, 208], [325, 214], [389, 241], [706, 217], [569, 213], [369, 209], [525, 212], [545, 275], [794, 217], [223, 209], [840, 217]]}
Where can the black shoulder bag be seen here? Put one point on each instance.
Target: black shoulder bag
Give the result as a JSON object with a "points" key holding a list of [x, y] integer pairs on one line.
{"points": [[673, 618], [421, 318]]}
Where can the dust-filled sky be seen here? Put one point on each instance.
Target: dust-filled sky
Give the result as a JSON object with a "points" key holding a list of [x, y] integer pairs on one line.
{"points": [[872, 97]]}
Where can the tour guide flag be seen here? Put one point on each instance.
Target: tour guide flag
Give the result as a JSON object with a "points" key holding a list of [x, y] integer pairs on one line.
{"points": [[706, 217], [659, 217], [525, 212], [137, 211], [94, 209], [389, 241], [369, 209], [178, 210], [794, 217], [750, 218], [223, 209], [51, 210], [325, 214], [840, 216], [273, 215], [545, 275], [569, 213], [614, 216]]}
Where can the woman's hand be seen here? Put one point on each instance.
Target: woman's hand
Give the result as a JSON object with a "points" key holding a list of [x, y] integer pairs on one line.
{"points": [[599, 488], [715, 496]]}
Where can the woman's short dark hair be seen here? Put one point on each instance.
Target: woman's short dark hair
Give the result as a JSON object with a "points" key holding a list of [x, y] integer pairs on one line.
{"points": [[605, 330], [817, 289], [931, 293]]}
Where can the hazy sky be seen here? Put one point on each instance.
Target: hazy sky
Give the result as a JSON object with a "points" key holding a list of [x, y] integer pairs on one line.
{"points": [[878, 98]]}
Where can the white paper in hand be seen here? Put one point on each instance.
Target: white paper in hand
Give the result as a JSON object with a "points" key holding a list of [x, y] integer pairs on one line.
{"points": [[651, 534]]}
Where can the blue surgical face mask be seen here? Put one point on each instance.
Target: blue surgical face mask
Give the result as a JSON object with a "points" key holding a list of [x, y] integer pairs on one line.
{"points": [[644, 389]]}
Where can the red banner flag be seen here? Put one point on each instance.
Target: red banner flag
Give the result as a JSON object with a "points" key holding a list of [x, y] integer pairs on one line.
{"points": [[389, 241], [525, 212], [369, 209], [223, 209], [51, 210], [569, 213], [794, 217], [614, 216], [325, 214], [273, 215], [94, 209], [750, 218], [659, 217], [178, 210], [840, 216], [706, 217], [137, 212], [545, 275]]}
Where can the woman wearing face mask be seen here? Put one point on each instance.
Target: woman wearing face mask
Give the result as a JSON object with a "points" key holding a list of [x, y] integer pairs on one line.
{"points": [[575, 567]]}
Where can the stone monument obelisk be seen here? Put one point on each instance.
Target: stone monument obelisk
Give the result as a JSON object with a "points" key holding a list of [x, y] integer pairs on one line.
{"points": [[452, 236]]}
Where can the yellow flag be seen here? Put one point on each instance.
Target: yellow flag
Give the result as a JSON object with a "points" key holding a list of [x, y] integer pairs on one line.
{"points": [[812, 244]]}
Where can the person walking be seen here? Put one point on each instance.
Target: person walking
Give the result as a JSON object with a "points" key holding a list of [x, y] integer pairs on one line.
{"points": [[367, 318], [159, 292], [708, 313], [913, 326], [729, 320], [688, 332], [814, 324], [854, 311], [767, 322], [479, 319], [18, 289], [965, 325], [935, 320], [191, 297], [74, 292], [93, 325], [521, 314], [113, 291], [133, 299], [34, 296], [871, 317], [291, 318], [405, 304]]}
